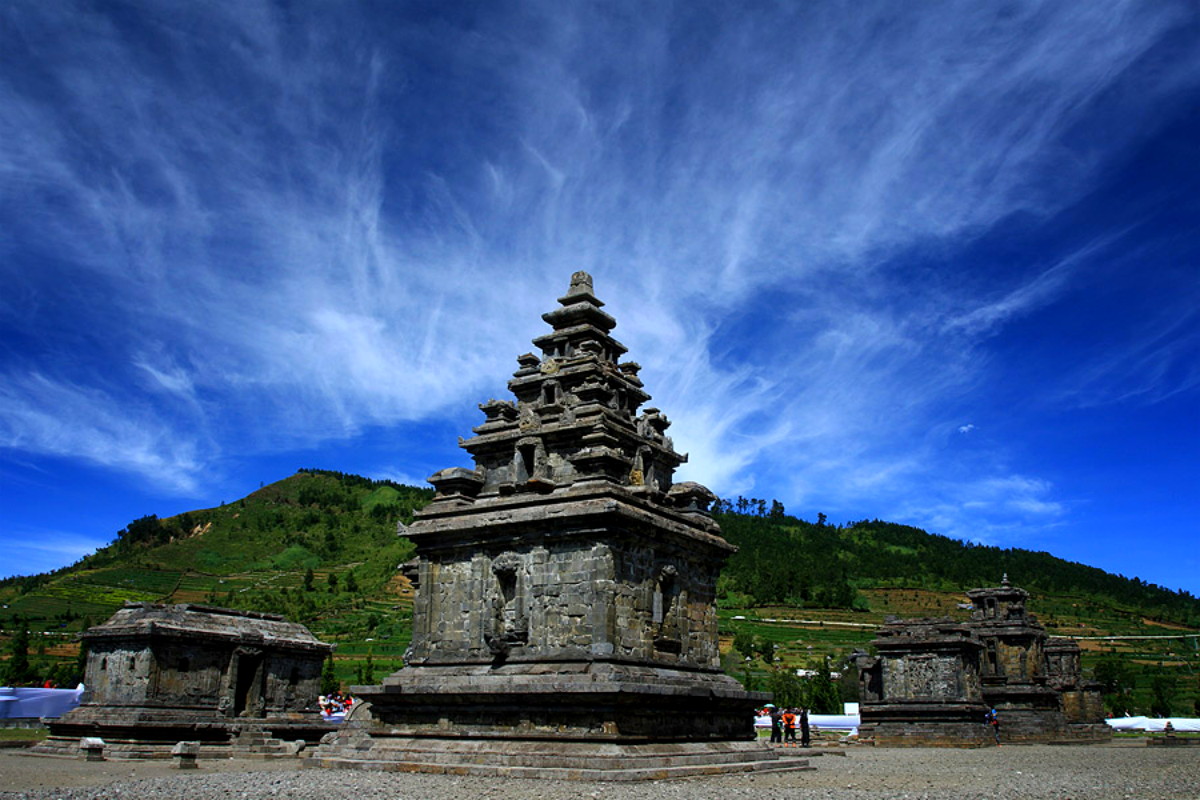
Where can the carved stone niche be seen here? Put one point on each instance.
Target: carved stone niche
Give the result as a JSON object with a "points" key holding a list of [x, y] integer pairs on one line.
{"points": [[508, 624], [665, 610]]}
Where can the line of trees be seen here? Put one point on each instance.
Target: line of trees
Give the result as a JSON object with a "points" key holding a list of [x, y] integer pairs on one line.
{"points": [[783, 559]]}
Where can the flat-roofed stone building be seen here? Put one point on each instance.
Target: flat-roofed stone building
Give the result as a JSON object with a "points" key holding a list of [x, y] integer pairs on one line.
{"points": [[160, 674], [923, 687], [565, 620]]}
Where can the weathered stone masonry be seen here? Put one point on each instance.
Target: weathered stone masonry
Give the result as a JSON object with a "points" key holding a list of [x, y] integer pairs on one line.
{"points": [[159, 674], [566, 589], [934, 679]]}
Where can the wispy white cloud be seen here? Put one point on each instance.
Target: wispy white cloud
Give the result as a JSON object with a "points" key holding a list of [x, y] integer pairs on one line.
{"points": [[41, 415], [329, 233], [1162, 362], [1002, 508], [1046, 286]]}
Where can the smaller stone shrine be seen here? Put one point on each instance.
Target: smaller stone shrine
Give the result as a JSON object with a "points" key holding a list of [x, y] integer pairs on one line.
{"points": [[911, 694], [230, 680], [1033, 681], [1014, 665], [923, 688], [1082, 700], [565, 620]]}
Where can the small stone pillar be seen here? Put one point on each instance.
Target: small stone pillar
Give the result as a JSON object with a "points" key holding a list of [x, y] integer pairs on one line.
{"points": [[92, 748], [185, 755]]}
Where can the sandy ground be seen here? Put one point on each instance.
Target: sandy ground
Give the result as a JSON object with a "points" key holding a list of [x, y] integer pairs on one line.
{"points": [[1122, 769], [20, 771]]}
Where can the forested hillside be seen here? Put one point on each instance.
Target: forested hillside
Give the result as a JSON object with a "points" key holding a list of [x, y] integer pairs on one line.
{"points": [[322, 548], [319, 547], [785, 560]]}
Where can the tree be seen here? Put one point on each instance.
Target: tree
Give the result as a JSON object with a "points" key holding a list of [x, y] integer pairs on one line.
{"points": [[329, 681], [787, 688], [848, 683], [332, 581], [308, 580], [351, 584], [369, 670], [1162, 691], [147, 530], [823, 695], [743, 643], [17, 670], [766, 649], [1117, 683]]}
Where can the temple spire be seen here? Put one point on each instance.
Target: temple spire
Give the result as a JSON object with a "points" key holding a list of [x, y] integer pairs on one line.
{"points": [[577, 418]]}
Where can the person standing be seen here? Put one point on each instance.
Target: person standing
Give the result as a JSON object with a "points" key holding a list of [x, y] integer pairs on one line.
{"points": [[776, 725], [789, 727], [993, 719], [805, 730]]}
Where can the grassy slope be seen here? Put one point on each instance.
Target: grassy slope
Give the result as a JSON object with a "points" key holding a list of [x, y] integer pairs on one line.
{"points": [[255, 553]]}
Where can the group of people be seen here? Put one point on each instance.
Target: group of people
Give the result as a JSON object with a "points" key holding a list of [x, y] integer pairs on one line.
{"points": [[335, 702], [785, 721]]}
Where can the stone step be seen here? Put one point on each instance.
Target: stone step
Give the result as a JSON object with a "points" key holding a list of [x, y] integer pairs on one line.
{"points": [[551, 760], [615, 773], [263, 747], [571, 760]]}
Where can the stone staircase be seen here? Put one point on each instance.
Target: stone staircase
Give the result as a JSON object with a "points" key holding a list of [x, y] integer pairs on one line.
{"points": [[256, 742], [554, 759]]}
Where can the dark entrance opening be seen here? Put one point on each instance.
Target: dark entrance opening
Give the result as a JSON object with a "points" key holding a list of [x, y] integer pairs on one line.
{"points": [[249, 677]]}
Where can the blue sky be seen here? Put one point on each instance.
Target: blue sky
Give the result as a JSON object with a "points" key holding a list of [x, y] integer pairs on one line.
{"points": [[935, 263]]}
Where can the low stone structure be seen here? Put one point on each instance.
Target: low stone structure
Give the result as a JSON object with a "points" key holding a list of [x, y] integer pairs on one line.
{"points": [[923, 688], [158, 675], [934, 680], [565, 621]]}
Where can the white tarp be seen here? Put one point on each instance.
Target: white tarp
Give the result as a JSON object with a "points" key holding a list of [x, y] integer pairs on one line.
{"points": [[1154, 724], [17, 703], [832, 722]]}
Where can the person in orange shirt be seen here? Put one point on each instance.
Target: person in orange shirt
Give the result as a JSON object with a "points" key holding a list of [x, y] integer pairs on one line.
{"points": [[789, 727]]}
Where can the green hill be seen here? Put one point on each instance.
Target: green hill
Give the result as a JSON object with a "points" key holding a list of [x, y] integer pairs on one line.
{"points": [[321, 548], [786, 560]]}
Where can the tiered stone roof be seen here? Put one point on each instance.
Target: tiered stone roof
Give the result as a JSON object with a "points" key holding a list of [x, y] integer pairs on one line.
{"points": [[577, 419]]}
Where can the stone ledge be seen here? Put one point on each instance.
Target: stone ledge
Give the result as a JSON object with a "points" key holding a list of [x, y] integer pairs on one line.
{"points": [[560, 760]]}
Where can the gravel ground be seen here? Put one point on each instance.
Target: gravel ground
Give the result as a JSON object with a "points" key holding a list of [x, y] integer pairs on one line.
{"points": [[1125, 769]]}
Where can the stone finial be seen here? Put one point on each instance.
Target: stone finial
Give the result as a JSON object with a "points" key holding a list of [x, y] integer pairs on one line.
{"points": [[580, 290], [580, 281], [1004, 580]]}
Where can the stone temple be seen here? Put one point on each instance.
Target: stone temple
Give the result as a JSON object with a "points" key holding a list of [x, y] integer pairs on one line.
{"points": [[565, 621], [232, 681], [933, 680]]}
